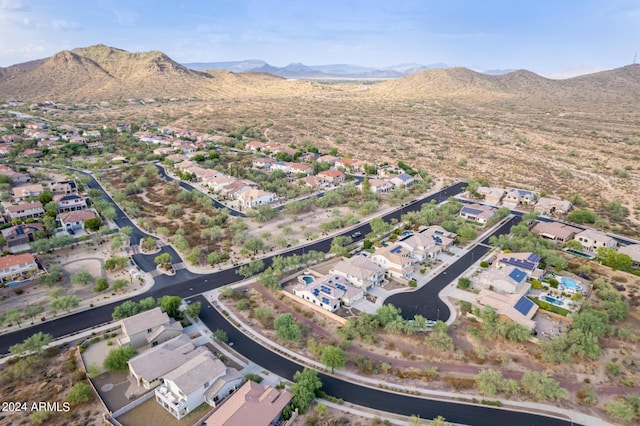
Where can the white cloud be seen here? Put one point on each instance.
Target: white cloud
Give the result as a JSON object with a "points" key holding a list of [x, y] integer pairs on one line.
{"points": [[63, 25], [12, 5]]}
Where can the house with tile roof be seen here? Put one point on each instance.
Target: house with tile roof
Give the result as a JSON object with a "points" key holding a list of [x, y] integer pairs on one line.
{"points": [[491, 195], [21, 234], [25, 210], [506, 280], [402, 180], [633, 251], [255, 197], [328, 292], [21, 193], [17, 267], [395, 259], [70, 202], [420, 246], [331, 177], [75, 219], [548, 206], [360, 272], [516, 197], [477, 212], [591, 240], [203, 378], [380, 186], [516, 307], [253, 404], [555, 231], [64, 187]]}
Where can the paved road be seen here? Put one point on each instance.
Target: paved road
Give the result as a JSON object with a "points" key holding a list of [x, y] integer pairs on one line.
{"points": [[371, 397]]}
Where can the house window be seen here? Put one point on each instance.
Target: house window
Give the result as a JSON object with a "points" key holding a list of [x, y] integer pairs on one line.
{"points": [[148, 330], [206, 385]]}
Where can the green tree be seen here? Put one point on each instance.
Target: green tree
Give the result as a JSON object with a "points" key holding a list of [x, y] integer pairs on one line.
{"points": [[82, 277], [339, 245], [286, 328], [387, 313], [252, 268], [490, 382], [269, 280], [616, 261], [117, 358], [162, 259], [125, 310], [582, 216], [64, 303], [33, 344], [92, 224], [120, 283], [620, 410], [304, 388], [464, 283], [220, 335], [193, 309], [254, 245], [79, 393], [541, 386], [171, 305], [101, 285], [333, 357]]}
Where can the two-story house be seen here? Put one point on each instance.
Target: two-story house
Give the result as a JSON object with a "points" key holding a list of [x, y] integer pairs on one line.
{"points": [[16, 267], [25, 210], [150, 327], [21, 234], [592, 240], [360, 272], [395, 259]]}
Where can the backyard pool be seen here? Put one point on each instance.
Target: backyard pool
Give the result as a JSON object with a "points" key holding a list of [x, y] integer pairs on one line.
{"points": [[570, 285], [552, 300], [307, 279], [406, 233], [578, 253]]}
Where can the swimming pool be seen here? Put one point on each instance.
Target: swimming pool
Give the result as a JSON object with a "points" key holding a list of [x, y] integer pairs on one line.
{"points": [[578, 253], [307, 279], [570, 284], [406, 233], [553, 300]]}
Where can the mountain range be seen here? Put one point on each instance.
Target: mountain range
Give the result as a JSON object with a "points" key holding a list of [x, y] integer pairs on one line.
{"points": [[316, 72], [101, 72]]}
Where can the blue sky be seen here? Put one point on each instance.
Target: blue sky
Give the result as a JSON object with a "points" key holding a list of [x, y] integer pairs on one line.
{"points": [[544, 36]]}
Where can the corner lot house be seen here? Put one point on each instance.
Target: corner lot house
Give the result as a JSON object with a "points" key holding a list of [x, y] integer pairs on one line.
{"points": [[492, 195], [253, 404], [331, 177], [17, 267], [328, 292], [201, 379], [255, 197], [591, 240], [477, 212], [403, 180], [148, 328]]}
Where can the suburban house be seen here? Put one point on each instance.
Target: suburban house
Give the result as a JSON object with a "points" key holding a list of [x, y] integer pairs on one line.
{"points": [[70, 202], [282, 166], [255, 197], [309, 157], [254, 146], [507, 280], [527, 262], [330, 159], [516, 307], [17, 267], [360, 272], [64, 187], [380, 186], [516, 197], [403, 180], [312, 182], [633, 251], [477, 212], [492, 195], [396, 260], [551, 206], [420, 246], [305, 168], [163, 150], [16, 177], [443, 238], [345, 163], [591, 240], [253, 404], [21, 193], [203, 378], [150, 327], [25, 210], [148, 367], [331, 177], [555, 231], [75, 219], [262, 163], [389, 171], [328, 292], [21, 234]]}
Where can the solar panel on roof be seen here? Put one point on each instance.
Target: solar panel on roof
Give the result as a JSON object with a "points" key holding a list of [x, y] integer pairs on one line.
{"points": [[471, 211], [517, 275], [438, 232], [396, 249], [534, 257], [325, 300], [523, 305]]}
